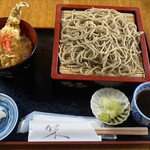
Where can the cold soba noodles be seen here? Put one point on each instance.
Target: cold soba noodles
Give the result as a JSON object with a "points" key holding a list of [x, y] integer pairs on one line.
{"points": [[101, 42], [14, 48]]}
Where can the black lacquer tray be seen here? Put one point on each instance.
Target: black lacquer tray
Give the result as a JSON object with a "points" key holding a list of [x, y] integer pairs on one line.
{"points": [[35, 90]]}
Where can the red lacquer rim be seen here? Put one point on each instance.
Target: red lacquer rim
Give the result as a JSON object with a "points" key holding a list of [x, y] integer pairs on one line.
{"points": [[110, 142]]}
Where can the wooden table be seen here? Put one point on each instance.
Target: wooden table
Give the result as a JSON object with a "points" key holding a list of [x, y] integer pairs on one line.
{"points": [[41, 14]]}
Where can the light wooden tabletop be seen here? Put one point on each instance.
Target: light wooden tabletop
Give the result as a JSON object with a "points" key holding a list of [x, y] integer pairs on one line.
{"points": [[41, 14]]}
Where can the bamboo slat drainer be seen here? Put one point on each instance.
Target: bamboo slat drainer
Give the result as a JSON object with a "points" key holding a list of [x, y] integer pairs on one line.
{"points": [[130, 17]]}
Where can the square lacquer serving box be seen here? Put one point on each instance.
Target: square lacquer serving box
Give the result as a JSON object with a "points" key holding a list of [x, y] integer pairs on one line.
{"points": [[61, 71]]}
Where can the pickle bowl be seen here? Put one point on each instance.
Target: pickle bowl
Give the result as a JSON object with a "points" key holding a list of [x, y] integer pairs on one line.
{"points": [[114, 97]]}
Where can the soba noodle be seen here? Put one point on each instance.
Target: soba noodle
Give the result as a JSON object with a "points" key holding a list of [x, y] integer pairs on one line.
{"points": [[101, 42]]}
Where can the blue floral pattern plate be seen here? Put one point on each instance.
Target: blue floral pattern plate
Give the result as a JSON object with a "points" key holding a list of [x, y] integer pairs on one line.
{"points": [[8, 123]]}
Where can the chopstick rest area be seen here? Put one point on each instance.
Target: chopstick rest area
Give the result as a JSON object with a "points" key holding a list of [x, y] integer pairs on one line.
{"points": [[52, 127], [123, 130]]}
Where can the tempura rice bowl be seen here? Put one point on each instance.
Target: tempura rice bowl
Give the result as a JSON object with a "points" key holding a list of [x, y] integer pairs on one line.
{"points": [[29, 31]]}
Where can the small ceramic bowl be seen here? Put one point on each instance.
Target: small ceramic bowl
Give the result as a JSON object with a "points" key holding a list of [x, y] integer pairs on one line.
{"points": [[7, 123], [119, 96], [137, 105]]}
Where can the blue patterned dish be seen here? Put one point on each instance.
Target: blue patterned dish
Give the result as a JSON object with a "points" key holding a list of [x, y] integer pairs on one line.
{"points": [[138, 116], [8, 123]]}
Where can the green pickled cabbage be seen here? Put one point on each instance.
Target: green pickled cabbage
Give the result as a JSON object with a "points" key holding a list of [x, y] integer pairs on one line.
{"points": [[111, 108], [104, 117]]}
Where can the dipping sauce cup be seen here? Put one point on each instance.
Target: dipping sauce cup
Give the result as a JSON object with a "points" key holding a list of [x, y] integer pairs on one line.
{"points": [[140, 105]]}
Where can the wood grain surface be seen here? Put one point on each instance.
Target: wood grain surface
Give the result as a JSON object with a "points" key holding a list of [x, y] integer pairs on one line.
{"points": [[41, 14]]}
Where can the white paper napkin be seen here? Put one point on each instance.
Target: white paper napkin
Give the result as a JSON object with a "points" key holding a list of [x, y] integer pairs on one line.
{"points": [[34, 122], [68, 118], [23, 126], [61, 131]]}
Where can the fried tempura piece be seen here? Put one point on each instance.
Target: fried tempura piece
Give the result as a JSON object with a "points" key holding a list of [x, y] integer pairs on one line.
{"points": [[15, 15]]}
